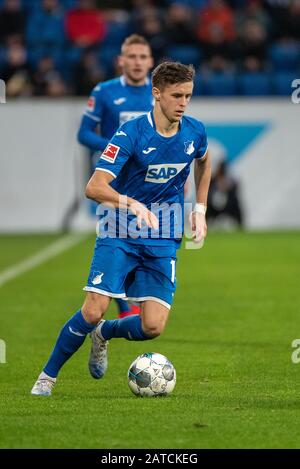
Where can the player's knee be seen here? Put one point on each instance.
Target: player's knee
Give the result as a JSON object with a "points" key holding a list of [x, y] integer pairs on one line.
{"points": [[153, 330], [91, 316], [94, 307]]}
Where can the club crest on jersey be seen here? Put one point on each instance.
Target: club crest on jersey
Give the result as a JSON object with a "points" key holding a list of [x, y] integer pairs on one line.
{"points": [[98, 279], [110, 153], [91, 104], [189, 147], [162, 173]]}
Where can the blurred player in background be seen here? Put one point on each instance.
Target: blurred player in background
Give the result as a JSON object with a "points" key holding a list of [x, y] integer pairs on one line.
{"points": [[114, 102], [146, 162], [223, 204]]}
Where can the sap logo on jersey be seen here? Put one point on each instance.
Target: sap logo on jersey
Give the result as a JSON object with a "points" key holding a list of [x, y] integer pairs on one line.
{"points": [[110, 153], [162, 173]]}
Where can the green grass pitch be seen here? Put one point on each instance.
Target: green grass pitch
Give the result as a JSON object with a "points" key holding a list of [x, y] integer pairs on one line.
{"points": [[236, 313]]}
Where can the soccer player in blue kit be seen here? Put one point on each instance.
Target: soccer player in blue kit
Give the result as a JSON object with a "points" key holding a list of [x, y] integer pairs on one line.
{"points": [[145, 165], [116, 101]]}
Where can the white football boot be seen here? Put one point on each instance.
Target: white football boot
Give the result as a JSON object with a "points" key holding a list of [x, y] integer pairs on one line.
{"points": [[43, 386], [98, 354]]}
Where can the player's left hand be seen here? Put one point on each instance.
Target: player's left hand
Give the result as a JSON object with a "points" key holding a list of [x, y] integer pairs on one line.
{"points": [[198, 226]]}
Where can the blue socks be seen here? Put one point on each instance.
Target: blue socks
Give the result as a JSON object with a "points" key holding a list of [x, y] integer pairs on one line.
{"points": [[75, 331], [123, 305], [129, 328], [70, 339]]}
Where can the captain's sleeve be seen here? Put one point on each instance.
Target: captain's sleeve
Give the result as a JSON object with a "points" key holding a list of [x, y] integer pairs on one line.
{"points": [[117, 152], [203, 144]]}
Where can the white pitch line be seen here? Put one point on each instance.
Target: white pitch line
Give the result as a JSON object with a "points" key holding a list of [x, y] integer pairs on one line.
{"points": [[52, 250]]}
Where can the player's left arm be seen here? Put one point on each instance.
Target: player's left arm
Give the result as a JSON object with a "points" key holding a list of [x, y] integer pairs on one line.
{"points": [[202, 176]]}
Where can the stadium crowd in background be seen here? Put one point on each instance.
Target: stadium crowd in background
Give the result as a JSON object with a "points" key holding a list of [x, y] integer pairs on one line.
{"points": [[64, 47]]}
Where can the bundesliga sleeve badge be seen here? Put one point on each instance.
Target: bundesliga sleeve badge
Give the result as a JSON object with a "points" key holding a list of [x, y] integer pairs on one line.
{"points": [[91, 104], [110, 153]]}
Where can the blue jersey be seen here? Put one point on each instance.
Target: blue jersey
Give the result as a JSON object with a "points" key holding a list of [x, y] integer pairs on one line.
{"points": [[110, 105], [152, 169]]}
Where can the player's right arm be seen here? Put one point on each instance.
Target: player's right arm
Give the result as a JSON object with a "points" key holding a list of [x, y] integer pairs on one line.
{"points": [[100, 190], [91, 118], [116, 154]]}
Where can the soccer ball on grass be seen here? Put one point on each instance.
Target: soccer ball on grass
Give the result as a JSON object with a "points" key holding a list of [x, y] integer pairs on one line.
{"points": [[151, 374]]}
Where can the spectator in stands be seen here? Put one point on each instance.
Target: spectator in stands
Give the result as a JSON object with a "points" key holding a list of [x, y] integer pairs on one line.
{"points": [[276, 10], [217, 64], [151, 27], [216, 28], [44, 70], [259, 36], [56, 87], [45, 25], [85, 26], [223, 198], [140, 5], [253, 10], [290, 21], [16, 72], [252, 44], [180, 24], [87, 73], [12, 20]]}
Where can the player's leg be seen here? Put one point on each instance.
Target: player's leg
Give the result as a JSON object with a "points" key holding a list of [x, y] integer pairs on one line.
{"points": [[154, 318], [127, 308], [113, 261], [71, 337], [103, 278], [154, 285], [92, 312], [148, 325], [124, 308]]}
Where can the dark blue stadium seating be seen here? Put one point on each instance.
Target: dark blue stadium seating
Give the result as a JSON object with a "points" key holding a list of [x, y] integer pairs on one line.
{"points": [[285, 56], [107, 55], [254, 84], [220, 84], [45, 36], [198, 85], [116, 33], [45, 30], [185, 54], [282, 83]]}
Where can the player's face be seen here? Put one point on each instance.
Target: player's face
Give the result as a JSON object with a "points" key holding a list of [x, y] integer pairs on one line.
{"points": [[173, 99], [136, 62]]}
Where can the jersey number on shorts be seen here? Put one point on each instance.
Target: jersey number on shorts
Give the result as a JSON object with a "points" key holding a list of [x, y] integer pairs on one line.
{"points": [[173, 270]]}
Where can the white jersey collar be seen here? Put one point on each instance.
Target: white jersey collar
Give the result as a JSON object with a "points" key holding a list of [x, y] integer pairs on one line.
{"points": [[149, 117], [124, 83]]}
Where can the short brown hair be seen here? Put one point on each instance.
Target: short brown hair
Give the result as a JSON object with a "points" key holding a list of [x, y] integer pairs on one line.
{"points": [[134, 39], [169, 73]]}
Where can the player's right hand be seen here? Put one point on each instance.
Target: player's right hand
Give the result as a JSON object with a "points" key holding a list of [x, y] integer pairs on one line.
{"points": [[142, 213]]}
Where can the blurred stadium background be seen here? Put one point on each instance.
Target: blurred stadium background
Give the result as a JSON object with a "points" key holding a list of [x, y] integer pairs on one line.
{"points": [[238, 299], [52, 52]]}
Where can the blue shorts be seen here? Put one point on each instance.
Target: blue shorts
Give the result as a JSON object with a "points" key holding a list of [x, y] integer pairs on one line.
{"points": [[138, 272]]}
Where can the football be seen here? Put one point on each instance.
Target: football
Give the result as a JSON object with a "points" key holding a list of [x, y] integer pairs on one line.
{"points": [[151, 374]]}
